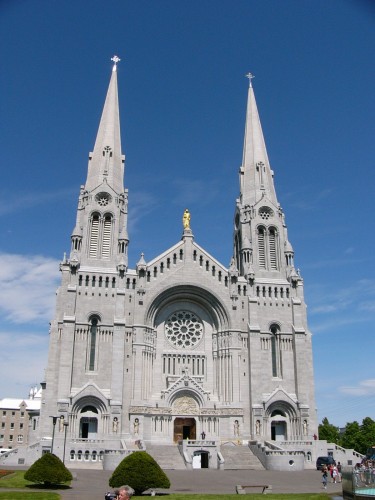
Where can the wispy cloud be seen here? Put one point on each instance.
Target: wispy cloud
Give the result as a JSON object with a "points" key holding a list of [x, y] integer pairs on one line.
{"points": [[305, 199], [339, 299], [142, 205], [334, 323], [330, 309], [330, 263], [363, 388], [27, 286], [28, 200]]}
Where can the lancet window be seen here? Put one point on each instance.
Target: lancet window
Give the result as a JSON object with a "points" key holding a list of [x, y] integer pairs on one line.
{"points": [[275, 351], [92, 340], [268, 248], [100, 236]]}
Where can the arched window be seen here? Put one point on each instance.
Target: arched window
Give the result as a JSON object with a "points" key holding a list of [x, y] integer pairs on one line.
{"points": [[92, 343], [94, 237], [275, 351], [100, 236], [272, 248], [261, 248], [107, 237], [268, 248]]}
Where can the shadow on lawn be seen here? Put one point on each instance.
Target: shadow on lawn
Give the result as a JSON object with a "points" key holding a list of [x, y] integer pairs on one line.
{"points": [[49, 486]]}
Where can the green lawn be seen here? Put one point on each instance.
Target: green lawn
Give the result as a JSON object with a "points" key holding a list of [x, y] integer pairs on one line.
{"points": [[256, 496], [14, 495], [54, 496], [14, 480]]}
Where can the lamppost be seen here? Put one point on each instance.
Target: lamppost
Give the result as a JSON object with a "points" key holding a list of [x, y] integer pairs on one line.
{"points": [[54, 420], [66, 425]]}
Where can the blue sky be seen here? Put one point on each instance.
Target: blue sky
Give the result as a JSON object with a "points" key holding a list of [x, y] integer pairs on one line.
{"points": [[182, 101]]}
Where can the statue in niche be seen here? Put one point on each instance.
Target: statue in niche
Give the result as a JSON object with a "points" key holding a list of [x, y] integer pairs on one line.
{"points": [[236, 428], [305, 427], [115, 425], [136, 426], [186, 219], [61, 423], [257, 427]]}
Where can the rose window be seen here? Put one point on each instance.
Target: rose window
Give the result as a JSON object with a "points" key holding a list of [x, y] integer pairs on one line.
{"points": [[183, 329], [103, 199], [265, 213]]}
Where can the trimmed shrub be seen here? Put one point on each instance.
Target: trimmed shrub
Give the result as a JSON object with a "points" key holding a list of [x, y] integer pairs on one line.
{"points": [[140, 471], [49, 469]]}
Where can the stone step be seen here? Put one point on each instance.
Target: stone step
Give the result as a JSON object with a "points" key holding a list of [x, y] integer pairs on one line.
{"points": [[239, 457], [167, 456]]}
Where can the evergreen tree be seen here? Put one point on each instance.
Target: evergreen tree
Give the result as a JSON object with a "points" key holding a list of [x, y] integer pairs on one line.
{"points": [[49, 470], [140, 471], [329, 432]]}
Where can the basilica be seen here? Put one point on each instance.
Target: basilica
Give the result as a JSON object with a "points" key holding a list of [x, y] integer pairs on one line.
{"points": [[180, 348]]}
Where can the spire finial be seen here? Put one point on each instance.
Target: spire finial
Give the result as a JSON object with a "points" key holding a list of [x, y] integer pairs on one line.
{"points": [[116, 60], [250, 76]]}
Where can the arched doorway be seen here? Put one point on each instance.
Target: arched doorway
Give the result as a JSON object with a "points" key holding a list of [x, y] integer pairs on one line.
{"points": [[184, 428], [88, 424], [278, 430], [201, 459]]}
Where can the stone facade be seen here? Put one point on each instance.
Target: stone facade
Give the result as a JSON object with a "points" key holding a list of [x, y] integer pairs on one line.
{"points": [[181, 344]]}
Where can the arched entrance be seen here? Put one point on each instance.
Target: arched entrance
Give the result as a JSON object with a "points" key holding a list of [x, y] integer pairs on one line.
{"points": [[88, 424], [184, 428], [278, 430], [200, 459]]}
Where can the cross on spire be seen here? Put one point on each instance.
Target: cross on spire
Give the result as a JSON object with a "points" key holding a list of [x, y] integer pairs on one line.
{"points": [[250, 76], [116, 60]]}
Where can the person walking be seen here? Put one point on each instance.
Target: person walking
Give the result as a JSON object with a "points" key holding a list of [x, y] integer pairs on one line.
{"points": [[324, 479], [334, 474], [339, 473]]}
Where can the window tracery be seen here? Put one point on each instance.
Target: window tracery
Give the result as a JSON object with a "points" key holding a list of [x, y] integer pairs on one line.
{"points": [[183, 329]]}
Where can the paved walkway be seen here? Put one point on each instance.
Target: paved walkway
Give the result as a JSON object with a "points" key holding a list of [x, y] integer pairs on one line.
{"points": [[92, 485]]}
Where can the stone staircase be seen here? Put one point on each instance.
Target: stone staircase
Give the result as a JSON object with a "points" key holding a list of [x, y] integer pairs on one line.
{"points": [[167, 456], [240, 457]]}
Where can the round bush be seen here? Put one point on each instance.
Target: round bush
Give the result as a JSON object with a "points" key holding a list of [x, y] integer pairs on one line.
{"points": [[140, 471], [49, 469]]}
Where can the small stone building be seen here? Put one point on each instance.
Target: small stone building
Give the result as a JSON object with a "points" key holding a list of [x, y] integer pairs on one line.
{"points": [[19, 419]]}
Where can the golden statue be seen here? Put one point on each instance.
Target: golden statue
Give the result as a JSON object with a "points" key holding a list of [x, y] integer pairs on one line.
{"points": [[186, 219]]}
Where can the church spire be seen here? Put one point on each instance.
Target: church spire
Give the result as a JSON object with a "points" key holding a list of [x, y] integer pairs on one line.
{"points": [[100, 234], [255, 174], [106, 162]]}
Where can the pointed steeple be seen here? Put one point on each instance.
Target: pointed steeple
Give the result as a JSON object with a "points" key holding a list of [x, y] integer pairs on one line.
{"points": [[106, 162], [100, 234], [255, 174]]}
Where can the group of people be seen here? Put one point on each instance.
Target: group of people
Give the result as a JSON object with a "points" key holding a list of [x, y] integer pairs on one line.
{"points": [[334, 471], [364, 473]]}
